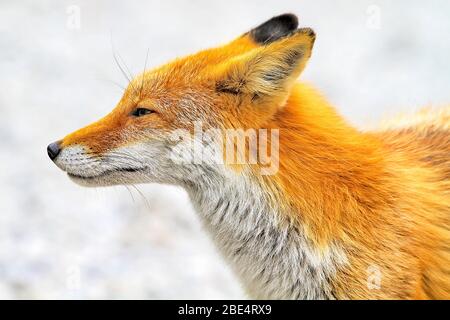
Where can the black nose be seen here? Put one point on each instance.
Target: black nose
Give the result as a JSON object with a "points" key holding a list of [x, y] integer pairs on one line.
{"points": [[53, 150]]}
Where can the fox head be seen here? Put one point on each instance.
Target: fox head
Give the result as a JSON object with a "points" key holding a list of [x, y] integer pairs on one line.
{"points": [[242, 84]]}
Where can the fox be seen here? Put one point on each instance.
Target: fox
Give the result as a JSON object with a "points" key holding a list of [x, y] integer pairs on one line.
{"points": [[347, 214]]}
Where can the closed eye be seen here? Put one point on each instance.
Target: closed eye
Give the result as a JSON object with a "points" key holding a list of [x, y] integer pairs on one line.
{"points": [[139, 112]]}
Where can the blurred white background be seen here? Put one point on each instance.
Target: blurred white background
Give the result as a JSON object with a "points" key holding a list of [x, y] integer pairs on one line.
{"points": [[57, 240]]}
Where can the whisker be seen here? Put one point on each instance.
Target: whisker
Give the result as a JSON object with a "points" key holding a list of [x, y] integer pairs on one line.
{"points": [[147, 204], [117, 57], [131, 194], [118, 85], [143, 73], [130, 74]]}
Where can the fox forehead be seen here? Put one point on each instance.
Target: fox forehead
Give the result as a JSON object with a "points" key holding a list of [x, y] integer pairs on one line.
{"points": [[192, 71], [196, 71]]}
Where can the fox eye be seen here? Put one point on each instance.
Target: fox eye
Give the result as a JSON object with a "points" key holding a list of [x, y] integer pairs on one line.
{"points": [[139, 112]]}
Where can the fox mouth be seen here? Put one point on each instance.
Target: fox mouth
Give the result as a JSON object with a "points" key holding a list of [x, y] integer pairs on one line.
{"points": [[105, 173]]}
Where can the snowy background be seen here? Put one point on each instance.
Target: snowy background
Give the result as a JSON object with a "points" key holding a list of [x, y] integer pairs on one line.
{"points": [[58, 240]]}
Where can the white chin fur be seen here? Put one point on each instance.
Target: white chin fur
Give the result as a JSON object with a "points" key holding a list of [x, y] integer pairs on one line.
{"points": [[102, 181], [108, 179]]}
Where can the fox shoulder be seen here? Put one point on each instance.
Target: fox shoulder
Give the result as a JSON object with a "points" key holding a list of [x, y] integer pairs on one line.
{"points": [[425, 136], [422, 121]]}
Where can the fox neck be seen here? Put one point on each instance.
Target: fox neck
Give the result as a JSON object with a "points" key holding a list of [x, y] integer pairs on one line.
{"points": [[328, 170], [265, 249], [281, 233]]}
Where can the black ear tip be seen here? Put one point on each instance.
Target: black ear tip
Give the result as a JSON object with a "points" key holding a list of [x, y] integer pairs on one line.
{"points": [[290, 20], [275, 28]]}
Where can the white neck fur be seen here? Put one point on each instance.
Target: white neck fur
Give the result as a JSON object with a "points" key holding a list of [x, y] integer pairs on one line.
{"points": [[270, 255]]}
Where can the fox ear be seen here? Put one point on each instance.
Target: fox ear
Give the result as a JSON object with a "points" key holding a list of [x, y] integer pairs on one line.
{"points": [[270, 31], [268, 72]]}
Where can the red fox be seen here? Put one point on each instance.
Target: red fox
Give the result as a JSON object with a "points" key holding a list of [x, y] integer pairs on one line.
{"points": [[346, 214]]}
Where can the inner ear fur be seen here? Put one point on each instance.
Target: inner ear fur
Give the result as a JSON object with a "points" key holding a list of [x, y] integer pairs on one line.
{"points": [[268, 71]]}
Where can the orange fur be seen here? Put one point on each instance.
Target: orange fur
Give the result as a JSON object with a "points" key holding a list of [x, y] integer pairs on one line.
{"points": [[387, 201], [384, 196]]}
